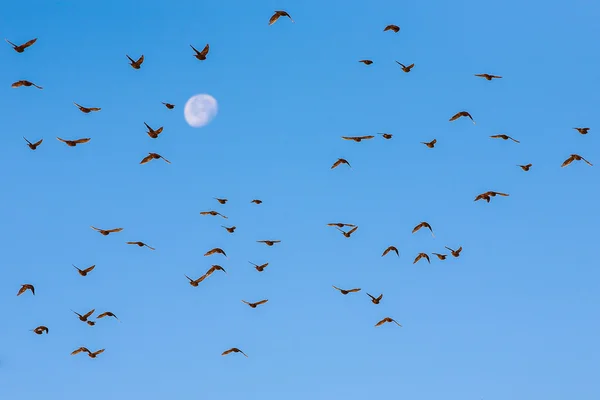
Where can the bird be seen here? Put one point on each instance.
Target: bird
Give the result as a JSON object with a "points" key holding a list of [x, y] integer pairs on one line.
{"points": [[440, 256], [84, 272], [153, 156], [106, 232], [136, 64], [387, 319], [87, 110], [169, 105], [504, 137], [201, 55], [141, 244], [422, 255], [153, 133], [394, 28], [33, 146], [574, 157], [254, 305], [525, 167], [366, 62], [212, 213], [340, 224], [386, 135], [216, 250], [222, 201], [375, 300], [462, 114], [455, 253], [25, 83], [259, 268], [26, 287], [339, 162], [488, 195], [269, 242], [488, 76], [278, 14], [345, 292], [195, 282], [233, 350], [73, 143], [230, 229], [214, 268], [84, 317], [107, 314], [90, 354], [21, 48], [358, 139], [423, 225], [583, 131], [431, 144], [256, 201], [391, 248], [404, 67], [350, 232], [40, 329]]}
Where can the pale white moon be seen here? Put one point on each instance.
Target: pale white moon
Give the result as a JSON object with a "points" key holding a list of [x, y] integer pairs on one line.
{"points": [[200, 110]]}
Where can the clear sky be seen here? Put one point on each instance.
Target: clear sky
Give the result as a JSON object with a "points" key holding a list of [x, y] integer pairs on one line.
{"points": [[515, 317]]}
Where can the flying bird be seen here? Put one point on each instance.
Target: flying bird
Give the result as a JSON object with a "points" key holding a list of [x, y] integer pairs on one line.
{"points": [[358, 139], [216, 250], [106, 232], [394, 28], [525, 167], [84, 317], [404, 67], [84, 272], [340, 224], [256, 201], [422, 255], [153, 133], [87, 110], [269, 242], [423, 225], [455, 253], [345, 292], [386, 135], [339, 162], [462, 114], [278, 14], [222, 201], [141, 244], [504, 137], [583, 131], [488, 76], [259, 268], [33, 146], [21, 48], [201, 55], [214, 268], [254, 305], [136, 64], [391, 248], [73, 143], [195, 282], [350, 232], [233, 350], [25, 83], [169, 105], [40, 329], [26, 287], [153, 156], [366, 62], [85, 350], [575, 157], [387, 319], [375, 300], [230, 230], [488, 195], [431, 144], [212, 213], [107, 314], [440, 256]]}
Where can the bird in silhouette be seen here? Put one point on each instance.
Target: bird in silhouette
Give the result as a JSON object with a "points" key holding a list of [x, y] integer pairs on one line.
{"points": [[345, 292], [153, 156], [214, 268], [440, 256], [256, 201], [221, 201], [525, 167], [107, 314], [455, 253], [87, 110], [269, 242], [423, 225], [386, 135], [375, 300], [350, 232], [230, 229], [488, 195], [195, 282], [366, 62], [233, 350], [84, 272], [26, 287], [504, 137], [106, 232], [26, 84], [40, 329], [431, 144], [73, 143], [339, 162], [394, 28], [583, 131], [278, 14], [169, 105], [462, 114], [33, 146], [422, 255], [488, 76], [153, 133], [216, 250], [259, 268], [201, 55], [391, 248], [385, 320], [89, 353], [21, 48], [136, 64], [212, 213], [358, 139], [254, 305], [141, 244], [84, 317], [340, 224], [404, 67], [574, 157]]}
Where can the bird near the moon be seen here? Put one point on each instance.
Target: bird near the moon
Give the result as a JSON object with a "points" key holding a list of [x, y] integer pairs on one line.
{"points": [[200, 110]]}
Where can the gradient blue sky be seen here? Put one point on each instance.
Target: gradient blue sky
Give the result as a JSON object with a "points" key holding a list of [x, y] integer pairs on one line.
{"points": [[514, 317]]}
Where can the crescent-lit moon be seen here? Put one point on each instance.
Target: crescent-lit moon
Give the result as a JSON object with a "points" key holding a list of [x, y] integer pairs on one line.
{"points": [[200, 110]]}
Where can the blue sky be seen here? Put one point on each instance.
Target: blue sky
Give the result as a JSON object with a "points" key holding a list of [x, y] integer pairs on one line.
{"points": [[514, 317]]}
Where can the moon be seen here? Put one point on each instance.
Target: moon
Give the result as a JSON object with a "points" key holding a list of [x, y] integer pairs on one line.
{"points": [[200, 110]]}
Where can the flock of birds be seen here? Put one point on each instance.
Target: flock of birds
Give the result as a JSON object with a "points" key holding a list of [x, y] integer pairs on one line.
{"points": [[154, 133]]}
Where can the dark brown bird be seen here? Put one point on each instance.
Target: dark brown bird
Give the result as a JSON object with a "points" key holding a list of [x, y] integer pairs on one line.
{"points": [[278, 14], [230, 230], [391, 248], [233, 350], [254, 305], [106, 232], [504, 137], [422, 255], [387, 319], [216, 250], [214, 268], [455, 253], [84, 317], [25, 83], [136, 64], [575, 157], [269, 242], [340, 224], [21, 48], [440, 256], [259, 268], [525, 167], [386, 135], [169, 105], [212, 213], [583, 131], [431, 144], [462, 114], [339, 162], [394, 28], [33, 146], [350, 232], [153, 133], [345, 292], [40, 329], [87, 110], [26, 287], [256, 201], [73, 143], [488, 195], [141, 244], [89, 353], [195, 282], [423, 225], [107, 314], [90, 323], [201, 55], [358, 139], [375, 300], [222, 201], [84, 272], [153, 156], [488, 76], [404, 67], [366, 62]]}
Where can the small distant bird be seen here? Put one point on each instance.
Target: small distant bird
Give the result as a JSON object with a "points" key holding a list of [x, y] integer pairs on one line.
{"points": [[256, 201], [108, 314], [136, 64], [339, 162], [141, 244], [391, 248], [260, 268], [404, 67], [40, 329], [375, 300], [455, 253], [233, 350], [345, 292], [201, 55], [583, 131], [431, 144], [212, 213], [440, 256], [153, 156], [350, 232], [269, 242], [84, 272], [423, 225], [26, 287], [195, 282], [254, 305], [33, 146], [575, 157], [21, 48], [216, 250], [504, 137], [340, 224], [214, 268], [488, 76], [87, 110], [394, 28], [230, 230], [422, 255], [84, 317], [387, 319], [386, 135], [169, 105], [106, 232], [90, 354], [153, 133], [366, 62], [358, 139], [222, 201], [525, 167], [73, 143], [488, 195], [278, 14], [25, 83], [462, 114]]}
